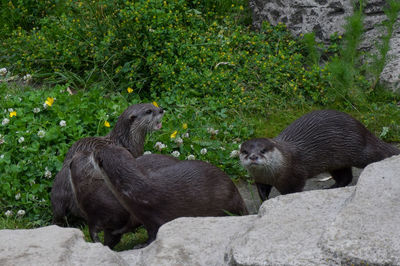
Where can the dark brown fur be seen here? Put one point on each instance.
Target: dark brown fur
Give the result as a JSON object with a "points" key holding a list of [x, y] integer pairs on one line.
{"points": [[321, 141], [184, 189], [129, 132], [101, 209]]}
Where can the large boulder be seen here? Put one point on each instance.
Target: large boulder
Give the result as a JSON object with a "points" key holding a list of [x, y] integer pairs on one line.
{"points": [[367, 229], [53, 245], [328, 17]]}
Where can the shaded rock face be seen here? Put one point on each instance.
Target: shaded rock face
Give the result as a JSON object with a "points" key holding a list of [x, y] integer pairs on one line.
{"points": [[328, 17], [344, 226]]}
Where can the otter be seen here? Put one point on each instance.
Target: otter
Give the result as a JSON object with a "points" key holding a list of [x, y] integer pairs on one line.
{"points": [[320, 141], [101, 210], [183, 189], [129, 132]]}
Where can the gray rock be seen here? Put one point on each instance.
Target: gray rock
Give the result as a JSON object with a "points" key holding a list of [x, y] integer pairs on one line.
{"points": [[289, 228], [53, 245], [367, 229], [191, 241], [328, 17]]}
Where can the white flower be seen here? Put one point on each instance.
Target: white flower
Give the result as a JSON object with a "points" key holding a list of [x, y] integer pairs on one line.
{"points": [[45, 105], [3, 71], [1, 139], [147, 152], [175, 153], [159, 146], [8, 213], [178, 141], [2, 156], [41, 133], [5, 121], [20, 99], [212, 131], [203, 151], [36, 110], [10, 110], [17, 196], [47, 173], [21, 213], [186, 135], [27, 77], [222, 148], [32, 182], [234, 153], [21, 139], [63, 123], [191, 157]]}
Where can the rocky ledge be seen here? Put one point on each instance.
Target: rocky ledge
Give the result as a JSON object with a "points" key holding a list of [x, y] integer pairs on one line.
{"points": [[352, 225]]}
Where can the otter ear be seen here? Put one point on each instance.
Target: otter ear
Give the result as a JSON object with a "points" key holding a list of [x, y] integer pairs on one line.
{"points": [[132, 118]]}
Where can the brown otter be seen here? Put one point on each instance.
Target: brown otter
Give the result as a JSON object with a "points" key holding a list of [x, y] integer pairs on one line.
{"points": [[320, 141], [183, 189], [129, 132], [101, 209]]}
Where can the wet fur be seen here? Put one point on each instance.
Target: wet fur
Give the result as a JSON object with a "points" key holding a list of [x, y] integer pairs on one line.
{"points": [[129, 132], [321, 141], [183, 189], [102, 211]]}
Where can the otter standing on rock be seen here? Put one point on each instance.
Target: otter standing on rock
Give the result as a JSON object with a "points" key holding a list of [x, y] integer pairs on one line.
{"points": [[321, 141], [184, 189], [101, 209], [129, 132]]}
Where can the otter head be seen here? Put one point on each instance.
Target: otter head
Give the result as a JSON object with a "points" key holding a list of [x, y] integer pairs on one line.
{"points": [[260, 155], [133, 125]]}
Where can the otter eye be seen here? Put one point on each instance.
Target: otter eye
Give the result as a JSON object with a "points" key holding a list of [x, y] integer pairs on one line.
{"points": [[245, 152], [264, 151], [148, 111]]}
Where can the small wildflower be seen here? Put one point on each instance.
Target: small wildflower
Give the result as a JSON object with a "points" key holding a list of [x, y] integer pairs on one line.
{"points": [[234, 154], [106, 124], [191, 157], [130, 90], [159, 146], [203, 151], [212, 131], [184, 126], [3, 71], [21, 213], [36, 110], [49, 101], [155, 104], [186, 135], [8, 213], [179, 141], [17, 196], [13, 113], [1, 139], [10, 110], [27, 77], [63, 123], [41, 133], [173, 135], [175, 154], [21, 139], [147, 152], [47, 173], [2, 156]]}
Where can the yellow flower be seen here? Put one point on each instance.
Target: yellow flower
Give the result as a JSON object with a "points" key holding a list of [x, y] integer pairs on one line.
{"points": [[13, 113], [184, 126], [106, 124], [49, 101], [130, 90], [155, 104], [173, 135]]}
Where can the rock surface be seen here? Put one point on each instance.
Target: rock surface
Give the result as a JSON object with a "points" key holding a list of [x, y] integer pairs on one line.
{"points": [[328, 17], [53, 245], [367, 229]]}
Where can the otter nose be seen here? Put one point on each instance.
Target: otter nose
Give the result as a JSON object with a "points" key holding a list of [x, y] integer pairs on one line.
{"points": [[253, 157]]}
